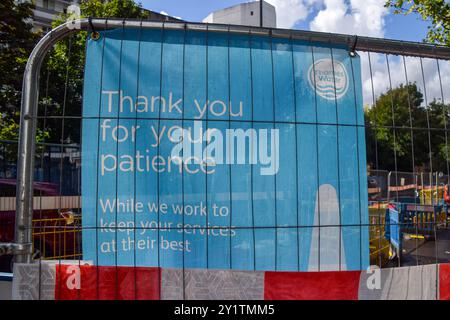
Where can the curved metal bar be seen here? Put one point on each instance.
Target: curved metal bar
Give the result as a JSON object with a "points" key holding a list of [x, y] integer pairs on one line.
{"points": [[12, 248], [27, 138], [386, 46]]}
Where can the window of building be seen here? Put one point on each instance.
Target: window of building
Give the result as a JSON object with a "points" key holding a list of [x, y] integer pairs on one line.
{"points": [[48, 4]]}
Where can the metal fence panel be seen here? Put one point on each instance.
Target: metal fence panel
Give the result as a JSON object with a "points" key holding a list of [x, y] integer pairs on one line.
{"points": [[276, 222]]}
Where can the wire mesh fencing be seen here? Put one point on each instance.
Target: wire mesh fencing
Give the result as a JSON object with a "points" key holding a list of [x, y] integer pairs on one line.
{"points": [[342, 163]]}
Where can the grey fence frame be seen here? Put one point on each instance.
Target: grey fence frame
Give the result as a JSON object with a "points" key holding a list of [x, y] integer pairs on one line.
{"points": [[22, 247]]}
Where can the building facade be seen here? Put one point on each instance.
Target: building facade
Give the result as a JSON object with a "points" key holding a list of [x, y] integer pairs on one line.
{"points": [[46, 11], [247, 14]]}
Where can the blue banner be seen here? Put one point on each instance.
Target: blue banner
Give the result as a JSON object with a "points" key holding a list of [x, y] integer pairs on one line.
{"points": [[393, 224], [219, 150]]}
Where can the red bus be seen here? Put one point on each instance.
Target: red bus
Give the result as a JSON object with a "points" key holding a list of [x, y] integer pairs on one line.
{"points": [[56, 222]]}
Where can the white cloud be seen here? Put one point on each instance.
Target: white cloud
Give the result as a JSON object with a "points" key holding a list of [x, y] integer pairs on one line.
{"points": [[380, 76], [365, 18], [362, 17], [290, 12]]}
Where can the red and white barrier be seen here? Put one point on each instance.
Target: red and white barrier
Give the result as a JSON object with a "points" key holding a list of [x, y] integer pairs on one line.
{"points": [[52, 281], [444, 281]]}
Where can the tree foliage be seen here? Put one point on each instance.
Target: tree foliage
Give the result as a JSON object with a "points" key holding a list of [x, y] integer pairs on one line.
{"points": [[404, 128], [61, 83], [16, 42], [437, 12], [64, 68]]}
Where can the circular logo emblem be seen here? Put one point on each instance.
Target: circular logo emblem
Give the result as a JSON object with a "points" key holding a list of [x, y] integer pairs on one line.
{"points": [[328, 84]]}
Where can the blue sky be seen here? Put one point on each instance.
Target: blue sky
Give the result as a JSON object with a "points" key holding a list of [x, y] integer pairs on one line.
{"points": [[400, 27]]}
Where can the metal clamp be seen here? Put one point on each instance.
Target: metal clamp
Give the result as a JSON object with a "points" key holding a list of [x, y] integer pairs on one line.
{"points": [[352, 51], [95, 35], [15, 248]]}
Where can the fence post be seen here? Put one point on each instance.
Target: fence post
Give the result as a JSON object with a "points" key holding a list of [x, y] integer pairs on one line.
{"points": [[27, 141]]}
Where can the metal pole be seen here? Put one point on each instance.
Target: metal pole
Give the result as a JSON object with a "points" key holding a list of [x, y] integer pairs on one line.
{"points": [[27, 136], [261, 13], [389, 187]]}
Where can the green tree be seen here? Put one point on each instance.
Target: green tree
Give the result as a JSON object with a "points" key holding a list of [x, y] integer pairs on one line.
{"points": [[62, 76], [17, 39], [389, 123], [437, 12], [61, 82], [16, 42], [439, 117], [9, 129]]}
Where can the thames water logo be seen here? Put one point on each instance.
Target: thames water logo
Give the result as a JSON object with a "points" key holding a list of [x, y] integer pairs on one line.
{"points": [[328, 84]]}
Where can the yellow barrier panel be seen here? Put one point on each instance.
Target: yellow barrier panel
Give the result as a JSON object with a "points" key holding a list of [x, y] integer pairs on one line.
{"points": [[378, 245], [431, 195], [57, 238]]}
